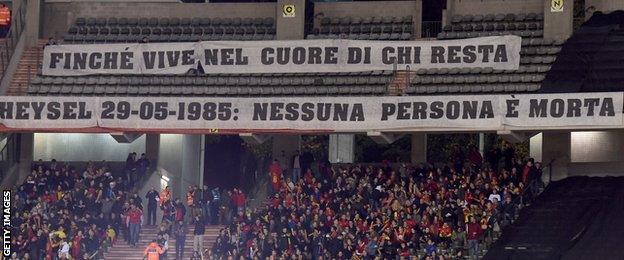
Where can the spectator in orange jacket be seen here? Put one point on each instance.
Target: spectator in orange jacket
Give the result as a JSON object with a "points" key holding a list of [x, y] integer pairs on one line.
{"points": [[165, 196], [153, 251]]}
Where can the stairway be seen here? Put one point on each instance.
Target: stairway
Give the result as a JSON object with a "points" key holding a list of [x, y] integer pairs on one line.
{"points": [[399, 82], [27, 68], [122, 250]]}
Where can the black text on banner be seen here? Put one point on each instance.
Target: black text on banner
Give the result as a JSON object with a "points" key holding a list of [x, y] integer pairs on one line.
{"points": [[355, 114], [499, 52]]}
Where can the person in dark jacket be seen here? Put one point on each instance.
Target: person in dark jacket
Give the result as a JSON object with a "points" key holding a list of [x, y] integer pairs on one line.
{"points": [[180, 236], [198, 233], [152, 201], [141, 166]]}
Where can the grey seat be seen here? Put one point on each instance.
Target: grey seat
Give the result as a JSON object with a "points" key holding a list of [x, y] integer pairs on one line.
{"points": [[456, 19], [152, 22]]}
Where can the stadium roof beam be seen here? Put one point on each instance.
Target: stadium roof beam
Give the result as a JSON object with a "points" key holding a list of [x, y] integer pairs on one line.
{"points": [[125, 138], [254, 138], [514, 136], [384, 138]]}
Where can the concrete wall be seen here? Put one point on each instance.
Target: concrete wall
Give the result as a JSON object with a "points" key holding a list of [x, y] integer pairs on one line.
{"points": [[57, 17], [419, 148], [83, 147], [597, 146], [290, 28], [179, 159], [535, 147], [556, 149], [558, 25], [591, 153], [597, 169], [342, 148], [463, 7]]}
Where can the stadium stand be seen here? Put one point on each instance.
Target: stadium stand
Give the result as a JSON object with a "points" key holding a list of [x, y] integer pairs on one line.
{"points": [[366, 83], [121, 29], [374, 211], [98, 30], [537, 55], [367, 28], [591, 60], [57, 202], [576, 218]]}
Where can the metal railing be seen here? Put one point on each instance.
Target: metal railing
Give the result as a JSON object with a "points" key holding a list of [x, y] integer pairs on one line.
{"points": [[18, 22], [430, 29]]}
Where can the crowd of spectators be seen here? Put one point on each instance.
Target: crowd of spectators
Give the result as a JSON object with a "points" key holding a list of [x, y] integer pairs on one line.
{"points": [[66, 213], [348, 211], [383, 212]]}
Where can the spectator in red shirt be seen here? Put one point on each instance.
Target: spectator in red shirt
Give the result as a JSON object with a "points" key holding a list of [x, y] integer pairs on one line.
{"points": [[474, 231], [238, 198], [133, 220], [275, 173]]}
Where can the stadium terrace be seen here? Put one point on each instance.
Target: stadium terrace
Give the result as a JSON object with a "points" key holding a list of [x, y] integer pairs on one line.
{"points": [[312, 130]]}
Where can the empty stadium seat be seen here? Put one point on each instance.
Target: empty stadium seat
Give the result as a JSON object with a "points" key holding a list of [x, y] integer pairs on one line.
{"points": [[98, 30]]}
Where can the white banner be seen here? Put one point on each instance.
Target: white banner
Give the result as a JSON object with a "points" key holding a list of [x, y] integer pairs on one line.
{"points": [[313, 114], [498, 52]]}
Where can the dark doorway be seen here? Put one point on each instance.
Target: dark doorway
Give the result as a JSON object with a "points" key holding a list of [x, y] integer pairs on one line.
{"points": [[432, 17], [227, 163]]}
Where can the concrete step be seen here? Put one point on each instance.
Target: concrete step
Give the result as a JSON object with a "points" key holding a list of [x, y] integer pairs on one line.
{"points": [[121, 250]]}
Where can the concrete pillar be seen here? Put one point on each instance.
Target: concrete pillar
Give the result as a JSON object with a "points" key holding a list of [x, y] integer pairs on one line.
{"points": [[535, 147], [482, 143], [26, 153], [341, 148], [558, 25], [556, 150], [417, 19], [191, 153], [419, 148], [27, 147], [33, 14], [290, 27], [447, 14], [284, 148], [152, 144]]}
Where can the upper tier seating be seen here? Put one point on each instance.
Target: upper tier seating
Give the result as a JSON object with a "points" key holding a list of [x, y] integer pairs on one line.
{"points": [[117, 30], [467, 26], [364, 83], [537, 55], [368, 28]]}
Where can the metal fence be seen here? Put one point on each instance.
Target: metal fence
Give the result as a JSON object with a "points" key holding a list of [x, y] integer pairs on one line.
{"points": [[430, 29]]}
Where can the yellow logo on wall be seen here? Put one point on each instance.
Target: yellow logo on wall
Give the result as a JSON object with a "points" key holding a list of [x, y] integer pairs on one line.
{"points": [[556, 6], [288, 10]]}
